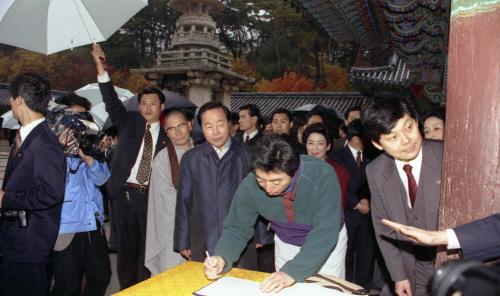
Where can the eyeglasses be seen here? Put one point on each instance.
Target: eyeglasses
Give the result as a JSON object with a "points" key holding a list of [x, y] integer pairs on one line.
{"points": [[174, 128]]}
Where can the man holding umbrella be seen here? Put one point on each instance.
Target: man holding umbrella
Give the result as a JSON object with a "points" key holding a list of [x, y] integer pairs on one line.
{"points": [[140, 139]]}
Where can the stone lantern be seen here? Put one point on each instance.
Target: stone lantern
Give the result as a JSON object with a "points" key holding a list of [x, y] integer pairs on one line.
{"points": [[196, 64]]}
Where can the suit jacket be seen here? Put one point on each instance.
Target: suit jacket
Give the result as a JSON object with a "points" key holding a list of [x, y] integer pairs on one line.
{"points": [[205, 193], [480, 240], [357, 178], [241, 138], [131, 126], [387, 202], [34, 181]]}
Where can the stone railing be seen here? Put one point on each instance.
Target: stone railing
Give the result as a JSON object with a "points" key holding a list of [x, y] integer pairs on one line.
{"points": [[193, 56], [201, 38]]}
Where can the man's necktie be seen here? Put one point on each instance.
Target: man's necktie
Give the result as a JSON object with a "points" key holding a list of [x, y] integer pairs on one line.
{"points": [[147, 154], [247, 138], [412, 184], [358, 159], [17, 143]]}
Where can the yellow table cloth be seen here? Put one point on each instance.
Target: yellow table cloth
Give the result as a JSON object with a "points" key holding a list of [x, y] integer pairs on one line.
{"points": [[183, 280]]}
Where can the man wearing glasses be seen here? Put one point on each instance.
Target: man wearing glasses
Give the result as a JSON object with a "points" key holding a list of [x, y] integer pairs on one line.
{"points": [[162, 193]]}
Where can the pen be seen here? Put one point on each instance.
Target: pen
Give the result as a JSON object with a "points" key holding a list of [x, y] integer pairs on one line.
{"points": [[209, 259]]}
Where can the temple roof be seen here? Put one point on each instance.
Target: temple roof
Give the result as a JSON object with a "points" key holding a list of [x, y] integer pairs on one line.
{"points": [[416, 30], [268, 102]]}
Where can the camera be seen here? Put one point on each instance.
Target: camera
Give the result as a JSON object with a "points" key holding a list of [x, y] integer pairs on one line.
{"points": [[79, 129], [465, 278]]}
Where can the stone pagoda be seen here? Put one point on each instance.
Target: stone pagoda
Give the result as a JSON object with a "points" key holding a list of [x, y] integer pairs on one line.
{"points": [[196, 65]]}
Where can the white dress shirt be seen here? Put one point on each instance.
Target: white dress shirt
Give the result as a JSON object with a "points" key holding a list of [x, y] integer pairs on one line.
{"points": [[354, 152], [220, 152], [250, 135], [155, 131], [416, 166], [24, 131]]}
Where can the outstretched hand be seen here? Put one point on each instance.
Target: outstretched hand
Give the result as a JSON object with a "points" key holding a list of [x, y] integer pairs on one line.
{"points": [[417, 235]]}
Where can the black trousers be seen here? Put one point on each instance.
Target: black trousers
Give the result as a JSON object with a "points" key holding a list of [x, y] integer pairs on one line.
{"points": [[87, 255], [23, 279], [130, 216], [360, 254]]}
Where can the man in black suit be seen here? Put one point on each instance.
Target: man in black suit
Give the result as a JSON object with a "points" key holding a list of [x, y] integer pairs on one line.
{"points": [[249, 124], [140, 139], [360, 243], [34, 182], [478, 240]]}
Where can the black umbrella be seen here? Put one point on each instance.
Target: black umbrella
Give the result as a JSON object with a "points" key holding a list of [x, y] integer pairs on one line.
{"points": [[172, 100]]}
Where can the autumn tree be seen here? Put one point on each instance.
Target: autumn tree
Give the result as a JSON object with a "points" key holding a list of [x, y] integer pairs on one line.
{"points": [[289, 82]]}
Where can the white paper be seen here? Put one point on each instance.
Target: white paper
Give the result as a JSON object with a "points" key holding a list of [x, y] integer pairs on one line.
{"points": [[230, 286]]}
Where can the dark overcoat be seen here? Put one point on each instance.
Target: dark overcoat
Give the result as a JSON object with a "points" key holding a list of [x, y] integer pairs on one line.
{"points": [[206, 189]]}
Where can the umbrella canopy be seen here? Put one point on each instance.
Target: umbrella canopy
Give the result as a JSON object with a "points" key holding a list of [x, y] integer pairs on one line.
{"points": [[49, 26], [92, 93], [9, 121], [172, 100], [305, 108]]}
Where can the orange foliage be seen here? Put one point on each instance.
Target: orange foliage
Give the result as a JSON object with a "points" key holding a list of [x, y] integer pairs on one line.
{"points": [[337, 78], [66, 71], [290, 82]]}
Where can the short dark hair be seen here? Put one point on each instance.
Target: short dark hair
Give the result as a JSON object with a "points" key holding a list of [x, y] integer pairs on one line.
{"points": [[73, 99], [354, 108], [151, 90], [438, 113], [253, 110], [274, 153], [282, 111], [354, 129], [186, 113], [379, 115], [317, 112], [34, 89], [234, 118], [213, 105], [317, 128]]}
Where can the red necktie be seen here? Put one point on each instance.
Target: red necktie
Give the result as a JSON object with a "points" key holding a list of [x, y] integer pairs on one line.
{"points": [[412, 184], [358, 159], [247, 137]]}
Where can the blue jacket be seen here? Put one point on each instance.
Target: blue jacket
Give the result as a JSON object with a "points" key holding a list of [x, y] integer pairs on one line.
{"points": [[82, 197]]}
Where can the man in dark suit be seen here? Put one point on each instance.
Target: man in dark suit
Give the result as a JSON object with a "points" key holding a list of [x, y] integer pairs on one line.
{"points": [[249, 124], [360, 252], [210, 174], [140, 139], [34, 182], [477, 240], [405, 187]]}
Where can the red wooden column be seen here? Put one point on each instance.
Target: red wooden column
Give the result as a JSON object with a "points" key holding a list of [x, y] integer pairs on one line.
{"points": [[470, 185]]}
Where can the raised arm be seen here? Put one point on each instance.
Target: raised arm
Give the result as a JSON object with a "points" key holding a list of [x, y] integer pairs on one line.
{"points": [[114, 107]]}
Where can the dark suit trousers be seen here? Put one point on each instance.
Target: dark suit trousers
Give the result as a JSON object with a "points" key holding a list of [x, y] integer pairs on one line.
{"points": [[360, 258], [130, 212], [23, 279]]}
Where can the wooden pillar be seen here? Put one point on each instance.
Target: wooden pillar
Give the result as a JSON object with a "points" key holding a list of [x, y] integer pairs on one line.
{"points": [[470, 185]]}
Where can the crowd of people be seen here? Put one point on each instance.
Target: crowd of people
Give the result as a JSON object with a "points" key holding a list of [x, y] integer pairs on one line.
{"points": [[293, 196]]}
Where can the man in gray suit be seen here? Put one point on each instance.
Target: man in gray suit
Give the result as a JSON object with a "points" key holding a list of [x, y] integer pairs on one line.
{"points": [[405, 187]]}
